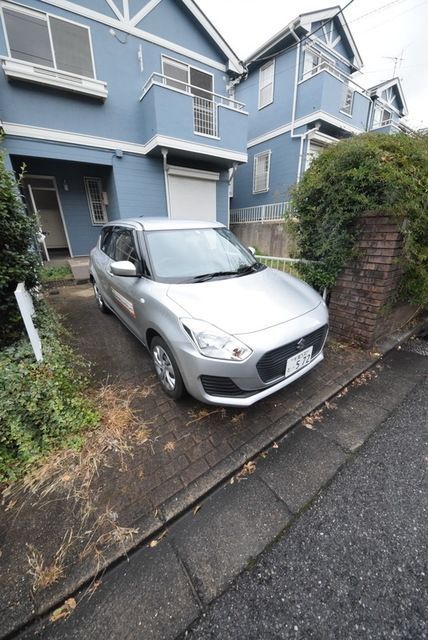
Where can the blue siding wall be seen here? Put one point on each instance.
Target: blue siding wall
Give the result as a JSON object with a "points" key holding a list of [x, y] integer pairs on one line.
{"points": [[222, 198], [280, 110], [140, 186], [325, 92], [283, 173], [118, 65], [170, 22]]}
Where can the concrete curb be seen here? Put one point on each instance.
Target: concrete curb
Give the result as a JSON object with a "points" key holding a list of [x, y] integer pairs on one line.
{"points": [[180, 504]]}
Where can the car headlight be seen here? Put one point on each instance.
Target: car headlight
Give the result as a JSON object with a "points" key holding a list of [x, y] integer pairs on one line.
{"points": [[215, 343]]}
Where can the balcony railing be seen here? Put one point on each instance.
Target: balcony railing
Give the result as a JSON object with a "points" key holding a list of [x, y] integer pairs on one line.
{"points": [[275, 212], [205, 106]]}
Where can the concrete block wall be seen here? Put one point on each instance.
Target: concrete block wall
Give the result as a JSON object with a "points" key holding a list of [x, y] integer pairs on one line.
{"points": [[360, 309]]}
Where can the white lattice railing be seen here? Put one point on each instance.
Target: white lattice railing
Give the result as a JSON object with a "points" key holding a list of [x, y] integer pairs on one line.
{"points": [[262, 213], [204, 116]]}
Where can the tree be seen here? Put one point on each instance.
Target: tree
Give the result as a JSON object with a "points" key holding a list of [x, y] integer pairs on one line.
{"points": [[19, 261], [385, 174]]}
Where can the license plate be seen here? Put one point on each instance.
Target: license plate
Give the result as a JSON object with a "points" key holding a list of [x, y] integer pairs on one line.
{"points": [[298, 361]]}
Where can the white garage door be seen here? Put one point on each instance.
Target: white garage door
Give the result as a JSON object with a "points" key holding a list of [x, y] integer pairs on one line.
{"points": [[192, 194]]}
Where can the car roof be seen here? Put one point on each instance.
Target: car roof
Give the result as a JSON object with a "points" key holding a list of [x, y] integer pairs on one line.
{"points": [[161, 223]]}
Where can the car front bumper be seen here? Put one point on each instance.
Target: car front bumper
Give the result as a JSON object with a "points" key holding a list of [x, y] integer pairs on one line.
{"points": [[244, 376]]}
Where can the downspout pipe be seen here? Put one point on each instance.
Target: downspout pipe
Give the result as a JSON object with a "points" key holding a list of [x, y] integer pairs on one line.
{"points": [[296, 78], [164, 153]]}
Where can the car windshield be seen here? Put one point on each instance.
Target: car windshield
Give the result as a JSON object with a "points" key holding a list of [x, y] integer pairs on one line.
{"points": [[197, 255]]}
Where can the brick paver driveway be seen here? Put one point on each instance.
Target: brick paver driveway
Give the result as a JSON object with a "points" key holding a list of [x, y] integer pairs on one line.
{"points": [[193, 445]]}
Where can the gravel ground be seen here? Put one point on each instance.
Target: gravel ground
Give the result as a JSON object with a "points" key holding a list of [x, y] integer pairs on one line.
{"points": [[355, 564]]}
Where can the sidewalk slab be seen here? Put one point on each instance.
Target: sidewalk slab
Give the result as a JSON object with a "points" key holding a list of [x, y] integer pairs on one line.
{"points": [[303, 463], [233, 526], [155, 596]]}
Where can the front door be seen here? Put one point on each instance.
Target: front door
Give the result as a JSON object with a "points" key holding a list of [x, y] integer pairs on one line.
{"points": [[43, 198]]}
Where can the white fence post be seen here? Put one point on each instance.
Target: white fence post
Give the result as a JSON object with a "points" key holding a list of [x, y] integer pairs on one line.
{"points": [[26, 308]]}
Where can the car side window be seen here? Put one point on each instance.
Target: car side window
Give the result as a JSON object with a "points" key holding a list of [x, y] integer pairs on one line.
{"points": [[106, 235], [122, 246]]}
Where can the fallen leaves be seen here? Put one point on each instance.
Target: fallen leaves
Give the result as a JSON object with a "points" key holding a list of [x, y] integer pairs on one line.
{"points": [[248, 468], [196, 509], [155, 541], [64, 611], [169, 446], [310, 420]]}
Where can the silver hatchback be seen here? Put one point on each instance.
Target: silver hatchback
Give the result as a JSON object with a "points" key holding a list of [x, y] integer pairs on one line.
{"points": [[217, 323]]}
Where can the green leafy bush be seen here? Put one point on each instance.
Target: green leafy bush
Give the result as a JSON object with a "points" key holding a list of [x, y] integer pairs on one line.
{"points": [[42, 404], [18, 262], [387, 174]]}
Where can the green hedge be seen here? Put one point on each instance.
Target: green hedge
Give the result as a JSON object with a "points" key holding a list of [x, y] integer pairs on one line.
{"points": [[42, 405], [18, 261], [381, 173]]}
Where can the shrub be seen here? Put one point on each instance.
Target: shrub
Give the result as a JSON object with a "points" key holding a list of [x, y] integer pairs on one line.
{"points": [[42, 404], [381, 173], [18, 262]]}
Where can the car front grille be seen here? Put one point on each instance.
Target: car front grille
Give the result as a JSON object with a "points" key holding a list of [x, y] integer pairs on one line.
{"points": [[272, 364], [224, 387]]}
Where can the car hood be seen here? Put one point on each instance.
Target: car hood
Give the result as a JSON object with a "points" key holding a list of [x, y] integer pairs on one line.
{"points": [[248, 303]]}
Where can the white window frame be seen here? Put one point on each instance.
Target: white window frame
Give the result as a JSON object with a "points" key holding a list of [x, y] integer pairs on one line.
{"points": [[268, 153], [46, 16], [87, 179], [265, 66]]}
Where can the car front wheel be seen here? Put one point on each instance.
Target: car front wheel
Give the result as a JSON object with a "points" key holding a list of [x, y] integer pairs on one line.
{"points": [[166, 369]]}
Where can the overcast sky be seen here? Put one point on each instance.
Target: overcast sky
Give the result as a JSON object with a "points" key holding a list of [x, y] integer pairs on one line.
{"points": [[382, 30]]}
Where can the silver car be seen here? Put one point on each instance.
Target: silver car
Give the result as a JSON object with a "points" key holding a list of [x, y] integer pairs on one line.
{"points": [[218, 324]]}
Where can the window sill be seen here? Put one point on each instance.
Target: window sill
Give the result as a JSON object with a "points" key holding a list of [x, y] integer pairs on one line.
{"points": [[345, 113], [27, 71]]}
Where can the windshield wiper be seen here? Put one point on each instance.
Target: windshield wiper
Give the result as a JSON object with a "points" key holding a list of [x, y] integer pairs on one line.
{"points": [[238, 272], [209, 276]]}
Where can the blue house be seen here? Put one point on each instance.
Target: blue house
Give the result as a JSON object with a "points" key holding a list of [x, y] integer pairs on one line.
{"points": [[301, 97], [118, 108]]}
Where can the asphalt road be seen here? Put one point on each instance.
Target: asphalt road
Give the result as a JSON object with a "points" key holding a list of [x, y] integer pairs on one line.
{"points": [[355, 564]]}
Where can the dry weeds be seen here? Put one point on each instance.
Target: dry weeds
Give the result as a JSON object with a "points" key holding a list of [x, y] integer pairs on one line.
{"points": [[69, 475], [197, 416], [44, 574]]}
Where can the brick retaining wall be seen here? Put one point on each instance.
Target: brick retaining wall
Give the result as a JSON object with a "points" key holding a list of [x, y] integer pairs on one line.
{"points": [[358, 303]]}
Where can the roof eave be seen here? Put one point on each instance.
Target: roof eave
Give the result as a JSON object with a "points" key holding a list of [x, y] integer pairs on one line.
{"points": [[234, 63]]}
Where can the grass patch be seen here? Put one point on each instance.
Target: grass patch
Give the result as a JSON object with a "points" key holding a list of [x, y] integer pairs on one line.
{"points": [[52, 273], [43, 405]]}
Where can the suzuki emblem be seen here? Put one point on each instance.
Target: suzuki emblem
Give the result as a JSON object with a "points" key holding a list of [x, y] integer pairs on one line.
{"points": [[300, 344]]}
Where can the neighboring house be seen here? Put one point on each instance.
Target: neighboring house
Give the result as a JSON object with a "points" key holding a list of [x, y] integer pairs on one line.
{"points": [[301, 97], [389, 106], [118, 108]]}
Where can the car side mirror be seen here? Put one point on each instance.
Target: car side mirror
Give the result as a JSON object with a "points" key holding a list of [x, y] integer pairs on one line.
{"points": [[123, 268], [252, 250]]}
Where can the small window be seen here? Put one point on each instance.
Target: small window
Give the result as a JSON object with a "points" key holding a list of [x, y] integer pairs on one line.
{"points": [[97, 207], [266, 83], [261, 172], [348, 99], [49, 41]]}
